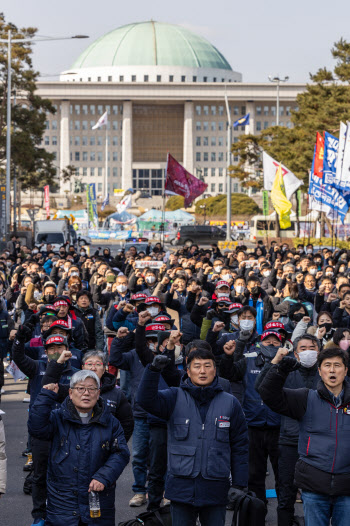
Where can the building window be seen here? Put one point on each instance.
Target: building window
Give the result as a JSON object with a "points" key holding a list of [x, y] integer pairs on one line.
{"points": [[258, 125], [84, 109], [235, 188], [221, 172], [108, 109], [235, 110], [273, 123], [115, 156], [99, 186], [198, 110], [171, 78], [92, 109], [236, 158], [99, 172], [89, 79], [85, 156], [235, 139], [54, 125], [266, 110], [288, 112], [115, 141], [99, 109], [115, 109], [243, 110], [99, 157], [213, 141], [99, 140], [92, 156], [84, 172], [133, 78], [159, 78], [214, 79], [194, 78], [205, 157], [183, 78], [221, 157], [273, 111], [92, 172], [109, 78], [115, 125], [212, 187], [205, 110], [220, 141], [198, 141], [266, 125], [115, 171], [92, 140], [98, 79], [205, 172], [198, 125], [221, 110], [198, 157], [84, 125], [213, 157], [121, 78], [205, 125], [77, 109], [258, 110], [213, 110], [77, 125], [221, 187], [213, 126], [47, 140], [54, 140], [220, 126], [77, 140], [84, 141], [145, 78], [205, 141], [77, 156], [281, 111]]}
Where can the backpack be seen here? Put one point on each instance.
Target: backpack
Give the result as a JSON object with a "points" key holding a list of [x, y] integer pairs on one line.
{"points": [[248, 510], [158, 517]]}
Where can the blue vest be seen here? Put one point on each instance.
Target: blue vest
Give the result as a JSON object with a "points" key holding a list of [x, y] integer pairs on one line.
{"points": [[256, 412], [195, 448], [324, 438]]}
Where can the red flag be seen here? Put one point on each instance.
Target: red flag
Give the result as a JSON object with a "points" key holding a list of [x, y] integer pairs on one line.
{"points": [[181, 182], [47, 200], [318, 164]]}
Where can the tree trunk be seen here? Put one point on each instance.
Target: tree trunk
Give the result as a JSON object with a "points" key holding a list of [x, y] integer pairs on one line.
{"points": [[323, 222], [297, 213], [278, 233]]}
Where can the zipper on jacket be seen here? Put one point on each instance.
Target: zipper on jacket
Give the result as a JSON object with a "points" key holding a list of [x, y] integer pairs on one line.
{"points": [[308, 445], [336, 437], [330, 421]]}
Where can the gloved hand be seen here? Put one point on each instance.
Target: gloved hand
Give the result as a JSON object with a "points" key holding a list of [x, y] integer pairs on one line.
{"points": [[244, 335], [24, 332], [211, 314], [33, 320], [160, 362], [288, 364]]}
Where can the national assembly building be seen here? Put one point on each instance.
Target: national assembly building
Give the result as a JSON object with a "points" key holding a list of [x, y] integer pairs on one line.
{"points": [[163, 88]]}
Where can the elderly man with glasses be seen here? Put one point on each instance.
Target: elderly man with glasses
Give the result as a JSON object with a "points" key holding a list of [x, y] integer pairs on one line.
{"points": [[88, 451]]}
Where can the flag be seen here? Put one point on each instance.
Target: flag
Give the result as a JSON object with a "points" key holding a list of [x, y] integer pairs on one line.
{"points": [[318, 160], [181, 182], [243, 121], [326, 198], [291, 182], [124, 204], [101, 121], [342, 176], [105, 202], [279, 200], [91, 205], [331, 144], [47, 200]]}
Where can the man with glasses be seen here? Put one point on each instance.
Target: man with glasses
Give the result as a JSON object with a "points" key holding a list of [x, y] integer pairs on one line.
{"points": [[88, 451]]}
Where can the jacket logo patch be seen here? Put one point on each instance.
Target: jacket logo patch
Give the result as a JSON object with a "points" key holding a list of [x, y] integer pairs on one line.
{"points": [[224, 424]]}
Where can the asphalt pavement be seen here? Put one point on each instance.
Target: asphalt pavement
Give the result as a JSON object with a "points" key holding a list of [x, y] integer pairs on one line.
{"points": [[15, 506]]}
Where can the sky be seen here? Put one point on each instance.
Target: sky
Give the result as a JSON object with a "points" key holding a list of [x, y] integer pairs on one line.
{"points": [[258, 38]]}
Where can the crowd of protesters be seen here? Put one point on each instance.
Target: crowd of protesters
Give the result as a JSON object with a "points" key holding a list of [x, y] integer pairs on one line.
{"points": [[216, 366]]}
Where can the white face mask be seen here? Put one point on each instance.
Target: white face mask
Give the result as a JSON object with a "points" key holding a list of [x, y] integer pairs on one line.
{"points": [[226, 277], [153, 311], [121, 288], [313, 271], [234, 319], [309, 251], [266, 273], [152, 347], [246, 325], [308, 358], [329, 273], [35, 251], [222, 294], [217, 269], [239, 289], [150, 279], [83, 253]]}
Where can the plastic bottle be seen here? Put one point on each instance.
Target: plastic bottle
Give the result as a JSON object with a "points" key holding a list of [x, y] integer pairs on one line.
{"points": [[94, 504]]}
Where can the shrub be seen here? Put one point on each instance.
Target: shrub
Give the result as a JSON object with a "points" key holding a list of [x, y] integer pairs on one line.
{"points": [[174, 203]]}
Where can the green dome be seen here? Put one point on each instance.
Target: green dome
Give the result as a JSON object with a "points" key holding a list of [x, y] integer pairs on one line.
{"points": [[151, 44]]}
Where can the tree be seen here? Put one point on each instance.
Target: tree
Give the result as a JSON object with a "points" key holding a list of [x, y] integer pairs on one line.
{"points": [[175, 202], [34, 164], [324, 103], [241, 204]]}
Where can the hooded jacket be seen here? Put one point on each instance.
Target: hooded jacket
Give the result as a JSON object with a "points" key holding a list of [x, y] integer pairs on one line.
{"points": [[79, 453]]}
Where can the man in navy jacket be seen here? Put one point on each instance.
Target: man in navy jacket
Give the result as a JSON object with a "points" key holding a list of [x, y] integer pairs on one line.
{"points": [[207, 439]]}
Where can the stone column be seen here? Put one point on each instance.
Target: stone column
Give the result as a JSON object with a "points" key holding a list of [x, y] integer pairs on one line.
{"points": [[188, 137], [127, 146], [64, 143], [250, 108]]}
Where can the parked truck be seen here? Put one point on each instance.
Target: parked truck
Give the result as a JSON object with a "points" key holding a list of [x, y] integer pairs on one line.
{"points": [[56, 232]]}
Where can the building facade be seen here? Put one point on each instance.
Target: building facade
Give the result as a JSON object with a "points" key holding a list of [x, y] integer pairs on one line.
{"points": [[163, 89]]}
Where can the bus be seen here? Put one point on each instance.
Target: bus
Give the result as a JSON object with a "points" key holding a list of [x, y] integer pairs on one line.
{"points": [[264, 227]]}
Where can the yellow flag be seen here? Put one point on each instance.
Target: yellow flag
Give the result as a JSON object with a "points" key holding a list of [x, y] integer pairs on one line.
{"points": [[279, 199]]}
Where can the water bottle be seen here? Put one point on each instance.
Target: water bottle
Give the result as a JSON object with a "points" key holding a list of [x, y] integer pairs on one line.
{"points": [[94, 504]]}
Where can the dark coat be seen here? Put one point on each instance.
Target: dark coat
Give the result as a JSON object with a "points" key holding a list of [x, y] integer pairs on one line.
{"points": [[79, 453]]}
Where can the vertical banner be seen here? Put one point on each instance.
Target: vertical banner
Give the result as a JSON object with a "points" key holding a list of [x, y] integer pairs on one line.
{"points": [[47, 200], [2, 212], [265, 203], [92, 205]]}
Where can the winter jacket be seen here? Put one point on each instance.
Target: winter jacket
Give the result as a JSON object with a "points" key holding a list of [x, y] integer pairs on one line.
{"points": [[113, 396], [35, 349], [79, 453], [207, 438], [189, 330], [92, 322], [6, 325], [124, 319], [341, 318], [324, 437], [3, 459], [80, 335]]}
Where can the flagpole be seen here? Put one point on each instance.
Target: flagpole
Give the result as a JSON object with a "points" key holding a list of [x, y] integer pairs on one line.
{"points": [[228, 178], [106, 164]]}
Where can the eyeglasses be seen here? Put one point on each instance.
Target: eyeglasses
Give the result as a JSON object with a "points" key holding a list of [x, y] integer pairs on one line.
{"points": [[81, 390]]}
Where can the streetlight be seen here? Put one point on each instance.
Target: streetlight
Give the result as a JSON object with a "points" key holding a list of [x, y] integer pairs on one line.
{"points": [[228, 178], [277, 81], [8, 41], [204, 208]]}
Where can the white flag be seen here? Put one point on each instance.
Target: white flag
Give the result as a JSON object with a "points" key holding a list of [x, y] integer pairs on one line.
{"points": [[124, 204], [291, 182], [341, 150], [343, 182], [101, 121]]}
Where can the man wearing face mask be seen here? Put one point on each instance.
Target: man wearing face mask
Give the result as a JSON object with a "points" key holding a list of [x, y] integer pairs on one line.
{"points": [[256, 297], [306, 349]]}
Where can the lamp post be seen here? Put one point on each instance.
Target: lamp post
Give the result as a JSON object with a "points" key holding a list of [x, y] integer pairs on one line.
{"points": [[9, 42], [277, 81], [204, 208], [228, 178]]}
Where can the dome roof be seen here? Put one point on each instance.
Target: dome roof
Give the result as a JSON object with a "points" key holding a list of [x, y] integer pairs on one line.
{"points": [[151, 44]]}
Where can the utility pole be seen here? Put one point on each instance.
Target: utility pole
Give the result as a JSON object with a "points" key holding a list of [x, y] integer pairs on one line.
{"points": [[228, 178]]}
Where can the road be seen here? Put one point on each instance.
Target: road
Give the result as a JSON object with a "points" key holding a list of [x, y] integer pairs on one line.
{"points": [[15, 506]]}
